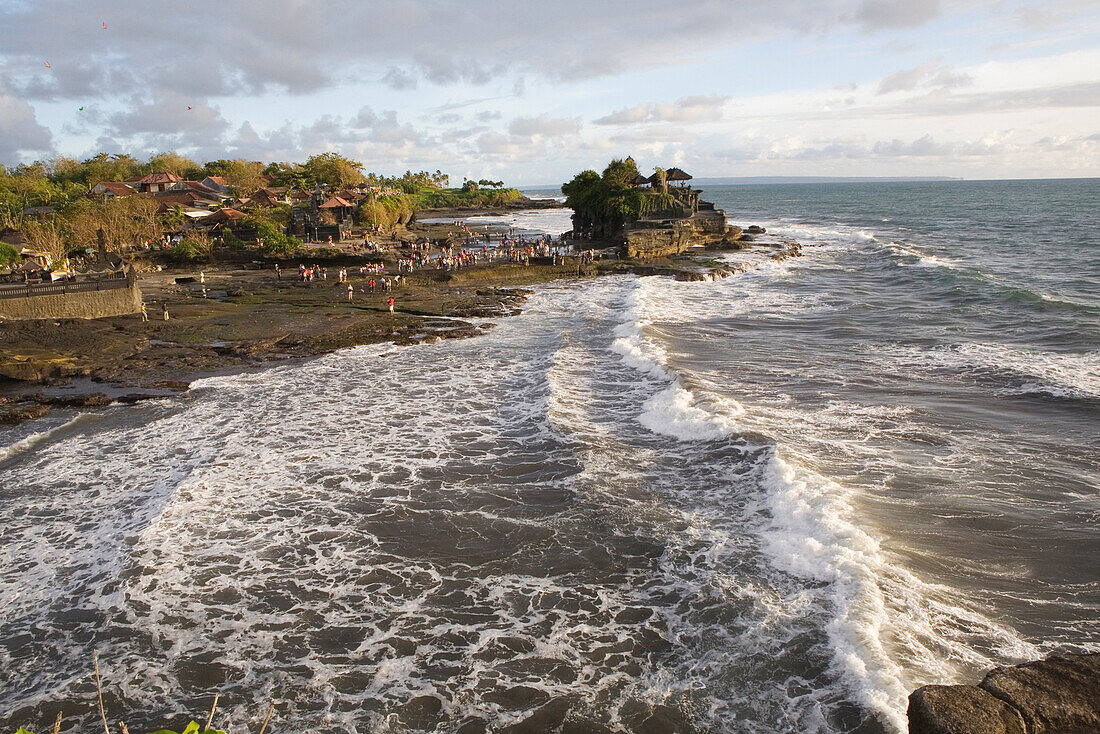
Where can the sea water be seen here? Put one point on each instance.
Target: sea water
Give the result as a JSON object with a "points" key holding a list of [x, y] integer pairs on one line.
{"points": [[775, 502]]}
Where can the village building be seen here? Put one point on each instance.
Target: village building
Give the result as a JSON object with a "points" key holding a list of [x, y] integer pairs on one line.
{"points": [[111, 189], [155, 182], [216, 183]]}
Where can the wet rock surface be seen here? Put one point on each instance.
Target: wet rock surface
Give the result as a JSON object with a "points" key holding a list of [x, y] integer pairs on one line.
{"points": [[1059, 695]]}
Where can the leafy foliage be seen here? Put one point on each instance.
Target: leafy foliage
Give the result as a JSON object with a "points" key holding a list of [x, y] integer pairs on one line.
{"points": [[603, 203], [386, 210], [454, 198], [8, 254], [275, 243], [192, 728], [243, 177]]}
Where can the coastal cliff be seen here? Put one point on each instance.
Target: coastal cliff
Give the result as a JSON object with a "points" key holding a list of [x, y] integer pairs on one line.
{"points": [[1059, 695]]}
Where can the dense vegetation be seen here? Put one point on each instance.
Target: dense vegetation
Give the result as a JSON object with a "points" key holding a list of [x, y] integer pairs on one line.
{"points": [[47, 200], [603, 203]]}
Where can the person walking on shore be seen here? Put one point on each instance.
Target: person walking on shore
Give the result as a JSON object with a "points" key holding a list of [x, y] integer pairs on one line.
{"points": [[164, 309], [144, 312], [391, 305], [351, 292], [278, 273]]}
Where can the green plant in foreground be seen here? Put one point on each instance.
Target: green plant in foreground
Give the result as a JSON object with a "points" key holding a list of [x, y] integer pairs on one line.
{"points": [[192, 728]]}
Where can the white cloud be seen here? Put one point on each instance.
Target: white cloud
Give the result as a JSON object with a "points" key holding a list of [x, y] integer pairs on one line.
{"points": [[699, 108], [543, 125], [928, 76]]}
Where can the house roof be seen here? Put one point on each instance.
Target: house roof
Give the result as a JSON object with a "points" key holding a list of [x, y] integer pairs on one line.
{"points": [[199, 187], [334, 203], [217, 179], [262, 197], [223, 215], [116, 187], [155, 178], [349, 195], [676, 174], [639, 180]]}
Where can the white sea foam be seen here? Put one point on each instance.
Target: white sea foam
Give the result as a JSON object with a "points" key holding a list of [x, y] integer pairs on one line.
{"points": [[889, 630], [1058, 374], [28, 442]]}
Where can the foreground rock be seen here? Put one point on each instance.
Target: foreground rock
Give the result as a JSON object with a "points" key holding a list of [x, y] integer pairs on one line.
{"points": [[1059, 695]]}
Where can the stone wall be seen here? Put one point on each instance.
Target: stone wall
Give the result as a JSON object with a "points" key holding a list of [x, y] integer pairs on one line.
{"points": [[1059, 695], [80, 305]]}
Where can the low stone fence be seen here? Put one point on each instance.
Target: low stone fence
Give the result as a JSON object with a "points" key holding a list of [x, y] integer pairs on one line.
{"points": [[110, 295]]}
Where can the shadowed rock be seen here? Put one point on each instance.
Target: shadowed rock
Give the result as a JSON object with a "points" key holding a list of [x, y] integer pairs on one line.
{"points": [[1059, 695]]}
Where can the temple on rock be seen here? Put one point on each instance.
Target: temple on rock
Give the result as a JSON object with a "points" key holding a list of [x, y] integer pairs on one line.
{"points": [[646, 217]]}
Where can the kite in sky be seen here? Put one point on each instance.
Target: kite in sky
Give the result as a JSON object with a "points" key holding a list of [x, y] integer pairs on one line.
{"points": [[189, 107], [47, 63], [81, 109], [104, 25]]}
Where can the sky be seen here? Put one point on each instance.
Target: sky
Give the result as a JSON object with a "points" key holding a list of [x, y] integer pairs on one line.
{"points": [[532, 93]]}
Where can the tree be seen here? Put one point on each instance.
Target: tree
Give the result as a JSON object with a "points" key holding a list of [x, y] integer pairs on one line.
{"points": [[175, 164], [47, 236], [106, 167], [127, 222], [620, 174], [332, 169], [244, 177]]}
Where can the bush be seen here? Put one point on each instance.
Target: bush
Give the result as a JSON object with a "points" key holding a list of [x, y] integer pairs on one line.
{"points": [[190, 250], [8, 254], [275, 243], [386, 210]]}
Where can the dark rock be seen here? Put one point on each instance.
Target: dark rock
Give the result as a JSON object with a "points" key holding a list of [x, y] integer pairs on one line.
{"points": [[1059, 694], [961, 710], [473, 726], [95, 400], [18, 414], [421, 713], [755, 229], [665, 720], [547, 718]]}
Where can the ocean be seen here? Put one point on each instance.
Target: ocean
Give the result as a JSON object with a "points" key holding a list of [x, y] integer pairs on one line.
{"points": [[775, 502]]}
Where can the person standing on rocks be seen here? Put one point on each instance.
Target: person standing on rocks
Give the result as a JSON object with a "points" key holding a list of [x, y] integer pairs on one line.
{"points": [[164, 310], [351, 292], [144, 312], [391, 305]]}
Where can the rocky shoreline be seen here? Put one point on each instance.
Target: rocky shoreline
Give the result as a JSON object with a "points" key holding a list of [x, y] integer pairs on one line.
{"points": [[1059, 695]]}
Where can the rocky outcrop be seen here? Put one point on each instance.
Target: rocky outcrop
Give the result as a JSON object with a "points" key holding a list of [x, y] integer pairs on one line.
{"points": [[1059, 695]]}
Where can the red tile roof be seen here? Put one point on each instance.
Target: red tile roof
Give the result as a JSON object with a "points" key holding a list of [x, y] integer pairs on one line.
{"points": [[156, 178], [116, 187]]}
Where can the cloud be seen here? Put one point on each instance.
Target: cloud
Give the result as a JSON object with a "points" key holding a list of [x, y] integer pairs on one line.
{"points": [[882, 14], [288, 46], [543, 125], [399, 79], [167, 114], [20, 131], [930, 76], [699, 108], [939, 103]]}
